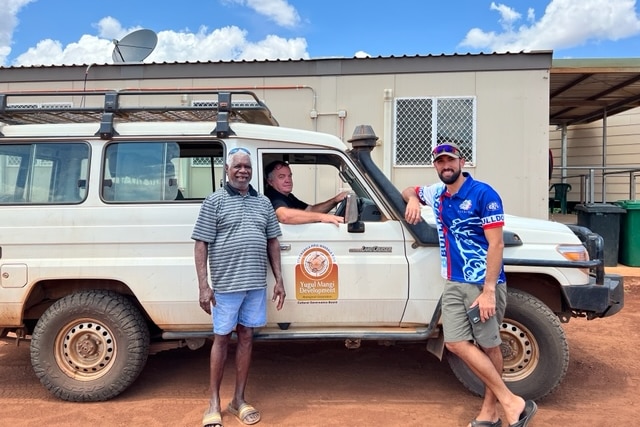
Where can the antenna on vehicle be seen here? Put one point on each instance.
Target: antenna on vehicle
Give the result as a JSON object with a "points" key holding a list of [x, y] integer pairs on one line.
{"points": [[134, 47]]}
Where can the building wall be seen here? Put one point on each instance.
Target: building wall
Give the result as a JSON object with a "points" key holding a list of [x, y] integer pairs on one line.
{"points": [[512, 105], [592, 150]]}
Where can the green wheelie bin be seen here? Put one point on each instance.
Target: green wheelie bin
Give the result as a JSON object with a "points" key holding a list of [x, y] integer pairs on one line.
{"points": [[629, 245]]}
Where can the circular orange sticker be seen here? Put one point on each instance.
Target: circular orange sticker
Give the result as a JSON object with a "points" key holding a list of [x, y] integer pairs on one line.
{"points": [[316, 263]]}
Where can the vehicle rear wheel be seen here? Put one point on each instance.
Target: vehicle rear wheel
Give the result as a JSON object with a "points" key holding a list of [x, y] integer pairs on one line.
{"points": [[534, 348], [89, 346]]}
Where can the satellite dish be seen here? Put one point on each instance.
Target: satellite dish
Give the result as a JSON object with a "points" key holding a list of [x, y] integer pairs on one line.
{"points": [[134, 47]]}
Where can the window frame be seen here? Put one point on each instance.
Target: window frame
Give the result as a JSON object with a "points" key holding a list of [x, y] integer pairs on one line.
{"points": [[175, 169], [467, 145], [45, 171]]}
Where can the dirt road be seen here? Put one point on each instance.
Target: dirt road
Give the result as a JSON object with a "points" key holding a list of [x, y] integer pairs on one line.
{"points": [[311, 384]]}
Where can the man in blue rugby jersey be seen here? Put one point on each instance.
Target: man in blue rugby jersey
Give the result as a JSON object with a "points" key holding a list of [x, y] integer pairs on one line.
{"points": [[469, 217]]}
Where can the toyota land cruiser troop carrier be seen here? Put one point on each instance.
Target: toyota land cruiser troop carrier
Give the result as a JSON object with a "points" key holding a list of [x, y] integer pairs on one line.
{"points": [[99, 192]]}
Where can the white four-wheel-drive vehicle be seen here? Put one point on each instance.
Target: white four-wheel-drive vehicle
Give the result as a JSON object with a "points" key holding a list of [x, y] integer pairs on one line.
{"points": [[99, 192]]}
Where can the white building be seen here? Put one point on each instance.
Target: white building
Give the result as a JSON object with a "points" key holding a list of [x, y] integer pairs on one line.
{"points": [[495, 106]]}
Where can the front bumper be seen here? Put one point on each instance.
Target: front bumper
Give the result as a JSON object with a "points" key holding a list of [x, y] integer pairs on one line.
{"points": [[595, 300]]}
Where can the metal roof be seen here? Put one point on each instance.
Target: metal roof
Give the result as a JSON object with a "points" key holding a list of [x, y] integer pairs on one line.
{"points": [[585, 90]]}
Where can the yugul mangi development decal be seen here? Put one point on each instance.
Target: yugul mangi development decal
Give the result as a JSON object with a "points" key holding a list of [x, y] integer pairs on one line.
{"points": [[316, 274]]}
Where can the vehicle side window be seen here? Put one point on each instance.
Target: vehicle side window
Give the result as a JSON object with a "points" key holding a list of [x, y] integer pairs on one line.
{"points": [[43, 173], [320, 177], [160, 171]]}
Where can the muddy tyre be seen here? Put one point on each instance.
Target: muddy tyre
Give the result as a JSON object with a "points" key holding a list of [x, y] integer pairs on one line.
{"points": [[534, 348], [89, 346]]}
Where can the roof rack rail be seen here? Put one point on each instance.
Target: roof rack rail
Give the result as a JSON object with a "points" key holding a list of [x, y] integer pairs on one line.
{"points": [[109, 106]]}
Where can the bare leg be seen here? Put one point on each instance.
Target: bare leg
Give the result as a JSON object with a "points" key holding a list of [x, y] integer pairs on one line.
{"points": [[489, 410], [216, 369], [484, 366], [243, 362]]}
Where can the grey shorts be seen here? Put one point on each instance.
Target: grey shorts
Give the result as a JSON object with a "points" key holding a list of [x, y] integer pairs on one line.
{"points": [[456, 300]]}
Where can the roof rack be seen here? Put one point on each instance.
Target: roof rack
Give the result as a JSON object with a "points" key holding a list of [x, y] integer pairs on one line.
{"points": [[107, 106]]}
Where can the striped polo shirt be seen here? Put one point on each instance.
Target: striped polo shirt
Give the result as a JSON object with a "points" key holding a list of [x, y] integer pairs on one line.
{"points": [[236, 228]]}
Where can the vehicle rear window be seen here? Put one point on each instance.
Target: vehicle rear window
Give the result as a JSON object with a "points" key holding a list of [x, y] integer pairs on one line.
{"points": [[43, 173]]}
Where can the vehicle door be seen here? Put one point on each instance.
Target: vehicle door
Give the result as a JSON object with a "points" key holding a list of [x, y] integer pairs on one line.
{"points": [[334, 277]]}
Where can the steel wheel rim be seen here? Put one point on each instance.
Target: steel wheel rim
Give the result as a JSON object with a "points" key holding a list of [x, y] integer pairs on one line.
{"points": [[85, 349], [520, 351]]}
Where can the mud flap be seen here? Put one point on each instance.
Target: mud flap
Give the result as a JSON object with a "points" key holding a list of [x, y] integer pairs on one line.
{"points": [[435, 346]]}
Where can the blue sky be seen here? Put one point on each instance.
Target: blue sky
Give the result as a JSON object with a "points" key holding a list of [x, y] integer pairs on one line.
{"points": [[53, 32]]}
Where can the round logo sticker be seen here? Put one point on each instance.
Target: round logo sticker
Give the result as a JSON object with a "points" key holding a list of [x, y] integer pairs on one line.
{"points": [[316, 263]]}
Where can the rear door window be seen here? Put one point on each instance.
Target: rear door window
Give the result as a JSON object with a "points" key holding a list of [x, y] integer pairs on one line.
{"points": [[162, 171], [43, 173]]}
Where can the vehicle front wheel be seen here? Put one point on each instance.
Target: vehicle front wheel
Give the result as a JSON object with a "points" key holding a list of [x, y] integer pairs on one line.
{"points": [[89, 346], [534, 348]]}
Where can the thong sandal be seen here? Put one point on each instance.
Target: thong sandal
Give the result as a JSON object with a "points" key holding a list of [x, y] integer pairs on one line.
{"points": [[476, 423], [245, 413], [530, 409], [212, 419]]}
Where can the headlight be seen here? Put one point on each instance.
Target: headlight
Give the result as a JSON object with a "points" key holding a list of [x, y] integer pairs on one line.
{"points": [[573, 252]]}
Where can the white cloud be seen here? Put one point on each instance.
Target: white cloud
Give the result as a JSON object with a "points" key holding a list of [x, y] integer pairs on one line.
{"points": [[274, 47], [531, 15], [8, 22], [227, 43], [565, 23], [279, 11], [507, 15], [110, 28], [89, 49]]}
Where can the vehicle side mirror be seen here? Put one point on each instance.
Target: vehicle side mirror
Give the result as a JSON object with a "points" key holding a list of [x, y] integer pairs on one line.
{"points": [[351, 214], [351, 209]]}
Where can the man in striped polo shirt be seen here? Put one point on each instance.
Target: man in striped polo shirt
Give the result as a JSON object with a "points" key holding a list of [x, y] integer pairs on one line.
{"points": [[469, 218], [236, 234]]}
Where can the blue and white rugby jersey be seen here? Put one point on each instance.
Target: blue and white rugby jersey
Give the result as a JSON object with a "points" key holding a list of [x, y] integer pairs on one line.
{"points": [[461, 219]]}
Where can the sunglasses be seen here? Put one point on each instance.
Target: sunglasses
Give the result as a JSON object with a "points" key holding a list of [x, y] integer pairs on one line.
{"points": [[239, 149], [446, 149]]}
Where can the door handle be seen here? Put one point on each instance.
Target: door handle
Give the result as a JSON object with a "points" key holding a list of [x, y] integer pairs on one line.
{"points": [[285, 247]]}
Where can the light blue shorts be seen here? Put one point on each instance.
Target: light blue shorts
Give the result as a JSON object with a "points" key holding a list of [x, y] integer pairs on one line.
{"points": [[247, 308], [456, 300]]}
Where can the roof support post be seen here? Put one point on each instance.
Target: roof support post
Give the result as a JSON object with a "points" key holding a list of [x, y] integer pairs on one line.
{"points": [[604, 155]]}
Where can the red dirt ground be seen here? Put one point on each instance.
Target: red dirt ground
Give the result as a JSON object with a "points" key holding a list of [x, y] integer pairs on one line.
{"points": [[324, 384]]}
